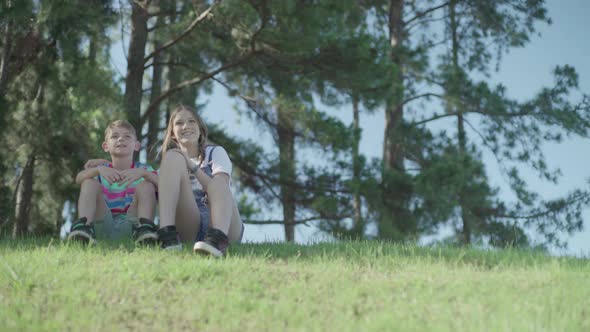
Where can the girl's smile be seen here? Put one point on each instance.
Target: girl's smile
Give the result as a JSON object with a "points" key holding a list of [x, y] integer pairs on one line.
{"points": [[186, 128]]}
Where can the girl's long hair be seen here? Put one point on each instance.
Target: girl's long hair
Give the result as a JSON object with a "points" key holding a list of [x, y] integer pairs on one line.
{"points": [[170, 141]]}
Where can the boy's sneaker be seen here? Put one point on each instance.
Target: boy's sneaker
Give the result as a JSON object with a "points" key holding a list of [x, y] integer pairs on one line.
{"points": [[145, 232], [215, 243], [169, 239], [82, 232]]}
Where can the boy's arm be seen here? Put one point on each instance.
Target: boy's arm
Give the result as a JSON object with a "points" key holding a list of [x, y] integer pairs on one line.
{"points": [[87, 174], [133, 174], [150, 176], [110, 174], [95, 163]]}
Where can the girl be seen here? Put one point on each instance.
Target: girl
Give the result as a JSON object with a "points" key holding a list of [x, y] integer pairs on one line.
{"points": [[194, 189]]}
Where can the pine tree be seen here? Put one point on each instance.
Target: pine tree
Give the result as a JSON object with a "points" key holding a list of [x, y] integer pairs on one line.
{"points": [[513, 131], [50, 84]]}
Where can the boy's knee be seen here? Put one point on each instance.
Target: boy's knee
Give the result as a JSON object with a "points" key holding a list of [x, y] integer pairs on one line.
{"points": [[89, 185], [145, 188]]}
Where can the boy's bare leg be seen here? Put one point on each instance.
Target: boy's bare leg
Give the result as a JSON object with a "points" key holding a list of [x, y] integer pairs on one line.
{"points": [[177, 202], [144, 201], [91, 203]]}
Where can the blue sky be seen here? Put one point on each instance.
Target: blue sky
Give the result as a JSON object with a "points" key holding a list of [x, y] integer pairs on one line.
{"points": [[523, 71]]}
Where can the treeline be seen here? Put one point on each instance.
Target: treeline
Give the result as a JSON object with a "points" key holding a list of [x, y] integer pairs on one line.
{"points": [[420, 63]]}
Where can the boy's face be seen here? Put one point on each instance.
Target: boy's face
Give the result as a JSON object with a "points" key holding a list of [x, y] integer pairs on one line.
{"points": [[120, 142]]}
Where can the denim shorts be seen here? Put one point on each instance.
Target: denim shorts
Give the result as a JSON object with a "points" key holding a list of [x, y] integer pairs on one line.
{"points": [[203, 205]]}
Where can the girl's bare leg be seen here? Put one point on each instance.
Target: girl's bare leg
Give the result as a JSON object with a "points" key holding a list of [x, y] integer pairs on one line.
{"points": [[236, 225], [224, 211], [177, 202]]}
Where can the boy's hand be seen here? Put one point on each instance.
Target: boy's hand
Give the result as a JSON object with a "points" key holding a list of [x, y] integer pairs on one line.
{"points": [[111, 174], [131, 175], [92, 163]]}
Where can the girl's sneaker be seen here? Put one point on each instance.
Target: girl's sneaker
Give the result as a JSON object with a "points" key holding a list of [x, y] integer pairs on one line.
{"points": [[82, 232], [215, 243], [145, 232], [169, 239]]}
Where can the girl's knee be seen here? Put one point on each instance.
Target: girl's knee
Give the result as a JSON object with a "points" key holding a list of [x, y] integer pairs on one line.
{"points": [[173, 157]]}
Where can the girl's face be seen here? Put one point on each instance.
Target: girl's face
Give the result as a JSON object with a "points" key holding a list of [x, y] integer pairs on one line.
{"points": [[185, 128]]}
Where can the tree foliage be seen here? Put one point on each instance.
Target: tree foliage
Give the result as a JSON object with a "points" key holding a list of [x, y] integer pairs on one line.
{"points": [[292, 68]]}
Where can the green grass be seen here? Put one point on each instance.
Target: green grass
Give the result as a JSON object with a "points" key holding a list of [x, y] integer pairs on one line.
{"points": [[47, 285]]}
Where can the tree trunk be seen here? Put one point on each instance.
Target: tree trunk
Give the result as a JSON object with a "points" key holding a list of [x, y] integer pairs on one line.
{"points": [[455, 93], [24, 192], [92, 49], [6, 51], [286, 133], [395, 222], [5, 204], [394, 112], [172, 78], [172, 73], [154, 118], [356, 167], [24, 199], [135, 66]]}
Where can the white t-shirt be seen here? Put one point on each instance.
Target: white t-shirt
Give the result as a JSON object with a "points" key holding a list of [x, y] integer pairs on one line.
{"points": [[220, 163]]}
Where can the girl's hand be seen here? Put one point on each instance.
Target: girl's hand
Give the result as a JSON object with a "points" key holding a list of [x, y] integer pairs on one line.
{"points": [[92, 163]]}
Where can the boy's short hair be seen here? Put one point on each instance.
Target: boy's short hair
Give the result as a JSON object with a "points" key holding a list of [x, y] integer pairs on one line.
{"points": [[119, 124]]}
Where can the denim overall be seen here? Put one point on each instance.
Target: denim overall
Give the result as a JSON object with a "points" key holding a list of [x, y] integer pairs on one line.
{"points": [[201, 196]]}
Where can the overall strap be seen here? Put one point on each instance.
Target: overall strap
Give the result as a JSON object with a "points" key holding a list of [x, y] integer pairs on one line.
{"points": [[211, 154]]}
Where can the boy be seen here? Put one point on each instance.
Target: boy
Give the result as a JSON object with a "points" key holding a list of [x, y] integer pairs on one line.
{"points": [[112, 190]]}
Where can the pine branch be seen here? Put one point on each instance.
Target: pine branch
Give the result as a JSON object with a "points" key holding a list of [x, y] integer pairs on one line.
{"points": [[164, 13], [197, 80], [473, 110], [547, 211], [443, 18], [264, 20], [169, 64], [266, 180], [434, 118], [424, 95], [251, 102], [425, 12], [188, 30]]}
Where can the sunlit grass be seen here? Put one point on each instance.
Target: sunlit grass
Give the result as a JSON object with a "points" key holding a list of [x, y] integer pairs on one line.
{"points": [[346, 286]]}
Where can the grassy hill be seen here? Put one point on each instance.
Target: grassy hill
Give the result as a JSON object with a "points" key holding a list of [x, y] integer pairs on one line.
{"points": [[47, 285]]}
